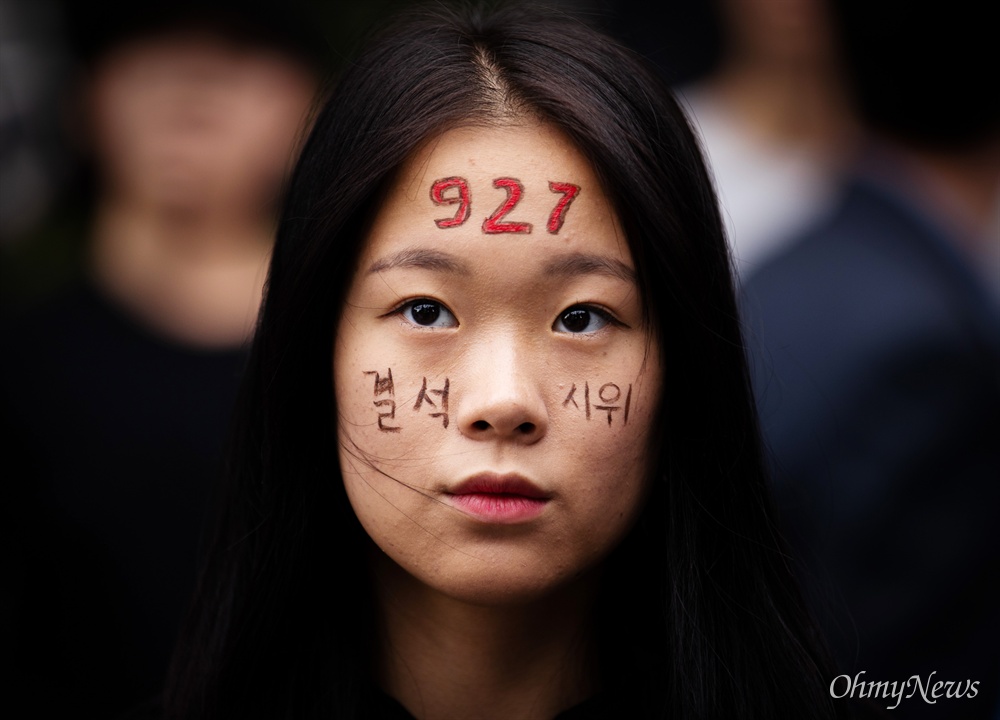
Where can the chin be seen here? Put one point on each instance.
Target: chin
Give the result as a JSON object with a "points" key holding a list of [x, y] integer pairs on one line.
{"points": [[506, 583], [502, 592]]}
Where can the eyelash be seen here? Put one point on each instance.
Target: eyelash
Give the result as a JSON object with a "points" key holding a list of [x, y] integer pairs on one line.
{"points": [[603, 313], [403, 307]]}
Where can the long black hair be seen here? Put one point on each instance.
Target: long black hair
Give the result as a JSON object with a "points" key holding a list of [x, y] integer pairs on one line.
{"points": [[699, 616]]}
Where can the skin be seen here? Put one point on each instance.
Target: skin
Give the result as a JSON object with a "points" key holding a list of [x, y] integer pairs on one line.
{"points": [[481, 618]]}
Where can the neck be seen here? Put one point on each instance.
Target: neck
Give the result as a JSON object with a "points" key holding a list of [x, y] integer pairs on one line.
{"points": [[445, 658], [971, 181], [194, 277], [963, 187]]}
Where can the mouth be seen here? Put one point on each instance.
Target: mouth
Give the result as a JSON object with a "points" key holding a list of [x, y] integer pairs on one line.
{"points": [[500, 499]]}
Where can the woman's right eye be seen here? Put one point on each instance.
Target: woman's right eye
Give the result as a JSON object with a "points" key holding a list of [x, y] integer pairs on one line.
{"points": [[427, 313]]}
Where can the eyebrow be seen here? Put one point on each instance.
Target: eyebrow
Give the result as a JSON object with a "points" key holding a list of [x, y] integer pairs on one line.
{"points": [[569, 265], [588, 264], [422, 259]]}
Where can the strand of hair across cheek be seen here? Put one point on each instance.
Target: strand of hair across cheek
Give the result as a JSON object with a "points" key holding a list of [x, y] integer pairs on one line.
{"points": [[354, 451]]}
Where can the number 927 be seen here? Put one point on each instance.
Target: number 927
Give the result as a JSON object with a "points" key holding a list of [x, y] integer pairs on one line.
{"points": [[455, 191]]}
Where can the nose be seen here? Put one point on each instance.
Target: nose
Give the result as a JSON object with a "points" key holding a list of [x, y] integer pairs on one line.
{"points": [[501, 398]]}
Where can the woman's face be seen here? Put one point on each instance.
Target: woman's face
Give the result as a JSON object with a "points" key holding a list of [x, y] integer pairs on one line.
{"points": [[495, 385]]}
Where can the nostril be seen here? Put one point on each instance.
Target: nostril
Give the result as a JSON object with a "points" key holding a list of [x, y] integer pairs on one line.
{"points": [[481, 425], [526, 428]]}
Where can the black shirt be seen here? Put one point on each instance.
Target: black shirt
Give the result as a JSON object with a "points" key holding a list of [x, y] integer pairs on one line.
{"points": [[111, 440]]}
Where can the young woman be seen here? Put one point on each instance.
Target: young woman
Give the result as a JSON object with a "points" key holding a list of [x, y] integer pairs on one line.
{"points": [[497, 454]]}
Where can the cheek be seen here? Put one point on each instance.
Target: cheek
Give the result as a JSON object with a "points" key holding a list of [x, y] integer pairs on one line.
{"points": [[392, 436], [380, 446], [605, 447], [391, 416]]}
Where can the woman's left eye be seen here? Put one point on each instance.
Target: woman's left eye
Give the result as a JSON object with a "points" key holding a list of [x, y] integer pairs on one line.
{"points": [[427, 313], [582, 319]]}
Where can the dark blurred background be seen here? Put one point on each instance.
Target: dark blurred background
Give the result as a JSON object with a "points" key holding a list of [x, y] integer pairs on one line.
{"points": [[143, 154]]}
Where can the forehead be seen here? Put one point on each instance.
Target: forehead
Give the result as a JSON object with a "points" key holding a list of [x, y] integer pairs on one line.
{"points": [[493, 191]]}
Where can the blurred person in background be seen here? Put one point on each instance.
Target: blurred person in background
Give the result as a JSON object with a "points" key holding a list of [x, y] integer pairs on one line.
{"points": [[876, 356], [774, 120], [115, 394]]}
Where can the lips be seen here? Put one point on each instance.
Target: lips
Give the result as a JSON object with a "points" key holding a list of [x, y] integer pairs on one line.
{"points": [[501, 499]]}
